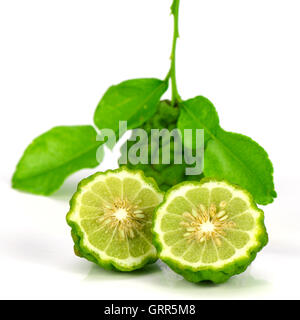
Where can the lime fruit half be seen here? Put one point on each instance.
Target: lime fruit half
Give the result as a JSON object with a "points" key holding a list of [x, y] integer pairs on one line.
{"points": [[111, 217], [208, 230]]}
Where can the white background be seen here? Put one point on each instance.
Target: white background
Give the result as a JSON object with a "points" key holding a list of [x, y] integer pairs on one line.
{"points": [[58, 57]]}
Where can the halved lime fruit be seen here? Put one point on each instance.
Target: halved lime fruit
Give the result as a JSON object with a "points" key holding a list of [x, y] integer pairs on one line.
{"points": [[111, 217], [208, 230]]}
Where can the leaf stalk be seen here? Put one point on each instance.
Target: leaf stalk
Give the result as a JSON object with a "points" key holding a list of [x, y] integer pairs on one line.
{"points": [[175, 13]]}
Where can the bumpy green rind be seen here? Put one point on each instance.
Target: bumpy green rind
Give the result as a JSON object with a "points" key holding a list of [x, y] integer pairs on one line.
{"points": [[210, 273], [77, 234], [165, 175]]}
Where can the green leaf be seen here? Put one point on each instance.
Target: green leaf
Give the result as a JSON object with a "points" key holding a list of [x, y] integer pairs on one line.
{"points": [[134, 101], [240, 160], [53, 156], [229, 156], [198, 113]]}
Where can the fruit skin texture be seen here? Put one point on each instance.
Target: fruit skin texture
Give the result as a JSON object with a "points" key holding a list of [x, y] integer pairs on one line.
{"points": [[166, 175], [77, 235], [209, 273]]}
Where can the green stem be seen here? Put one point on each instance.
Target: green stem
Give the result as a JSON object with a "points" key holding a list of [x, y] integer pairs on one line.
{"points": [[175, 12]]}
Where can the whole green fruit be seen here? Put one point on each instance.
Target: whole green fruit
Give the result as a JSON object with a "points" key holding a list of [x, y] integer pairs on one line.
{"points": [[166, 175]]}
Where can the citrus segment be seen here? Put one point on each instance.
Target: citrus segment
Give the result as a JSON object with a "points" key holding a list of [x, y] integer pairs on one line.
{"points": [[100, 238], [171, 222], [244, 222], [92, 200], [139, 245], [88, 212], [171, 237], [102, 191], [179, 205], [118, 247], [194, 253], [220, 194], [147, 198], [236, 206], [225, 250], [179, 248], [198, 196], [210, 253], [115, 187], [130, 188], [237, 238]]}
